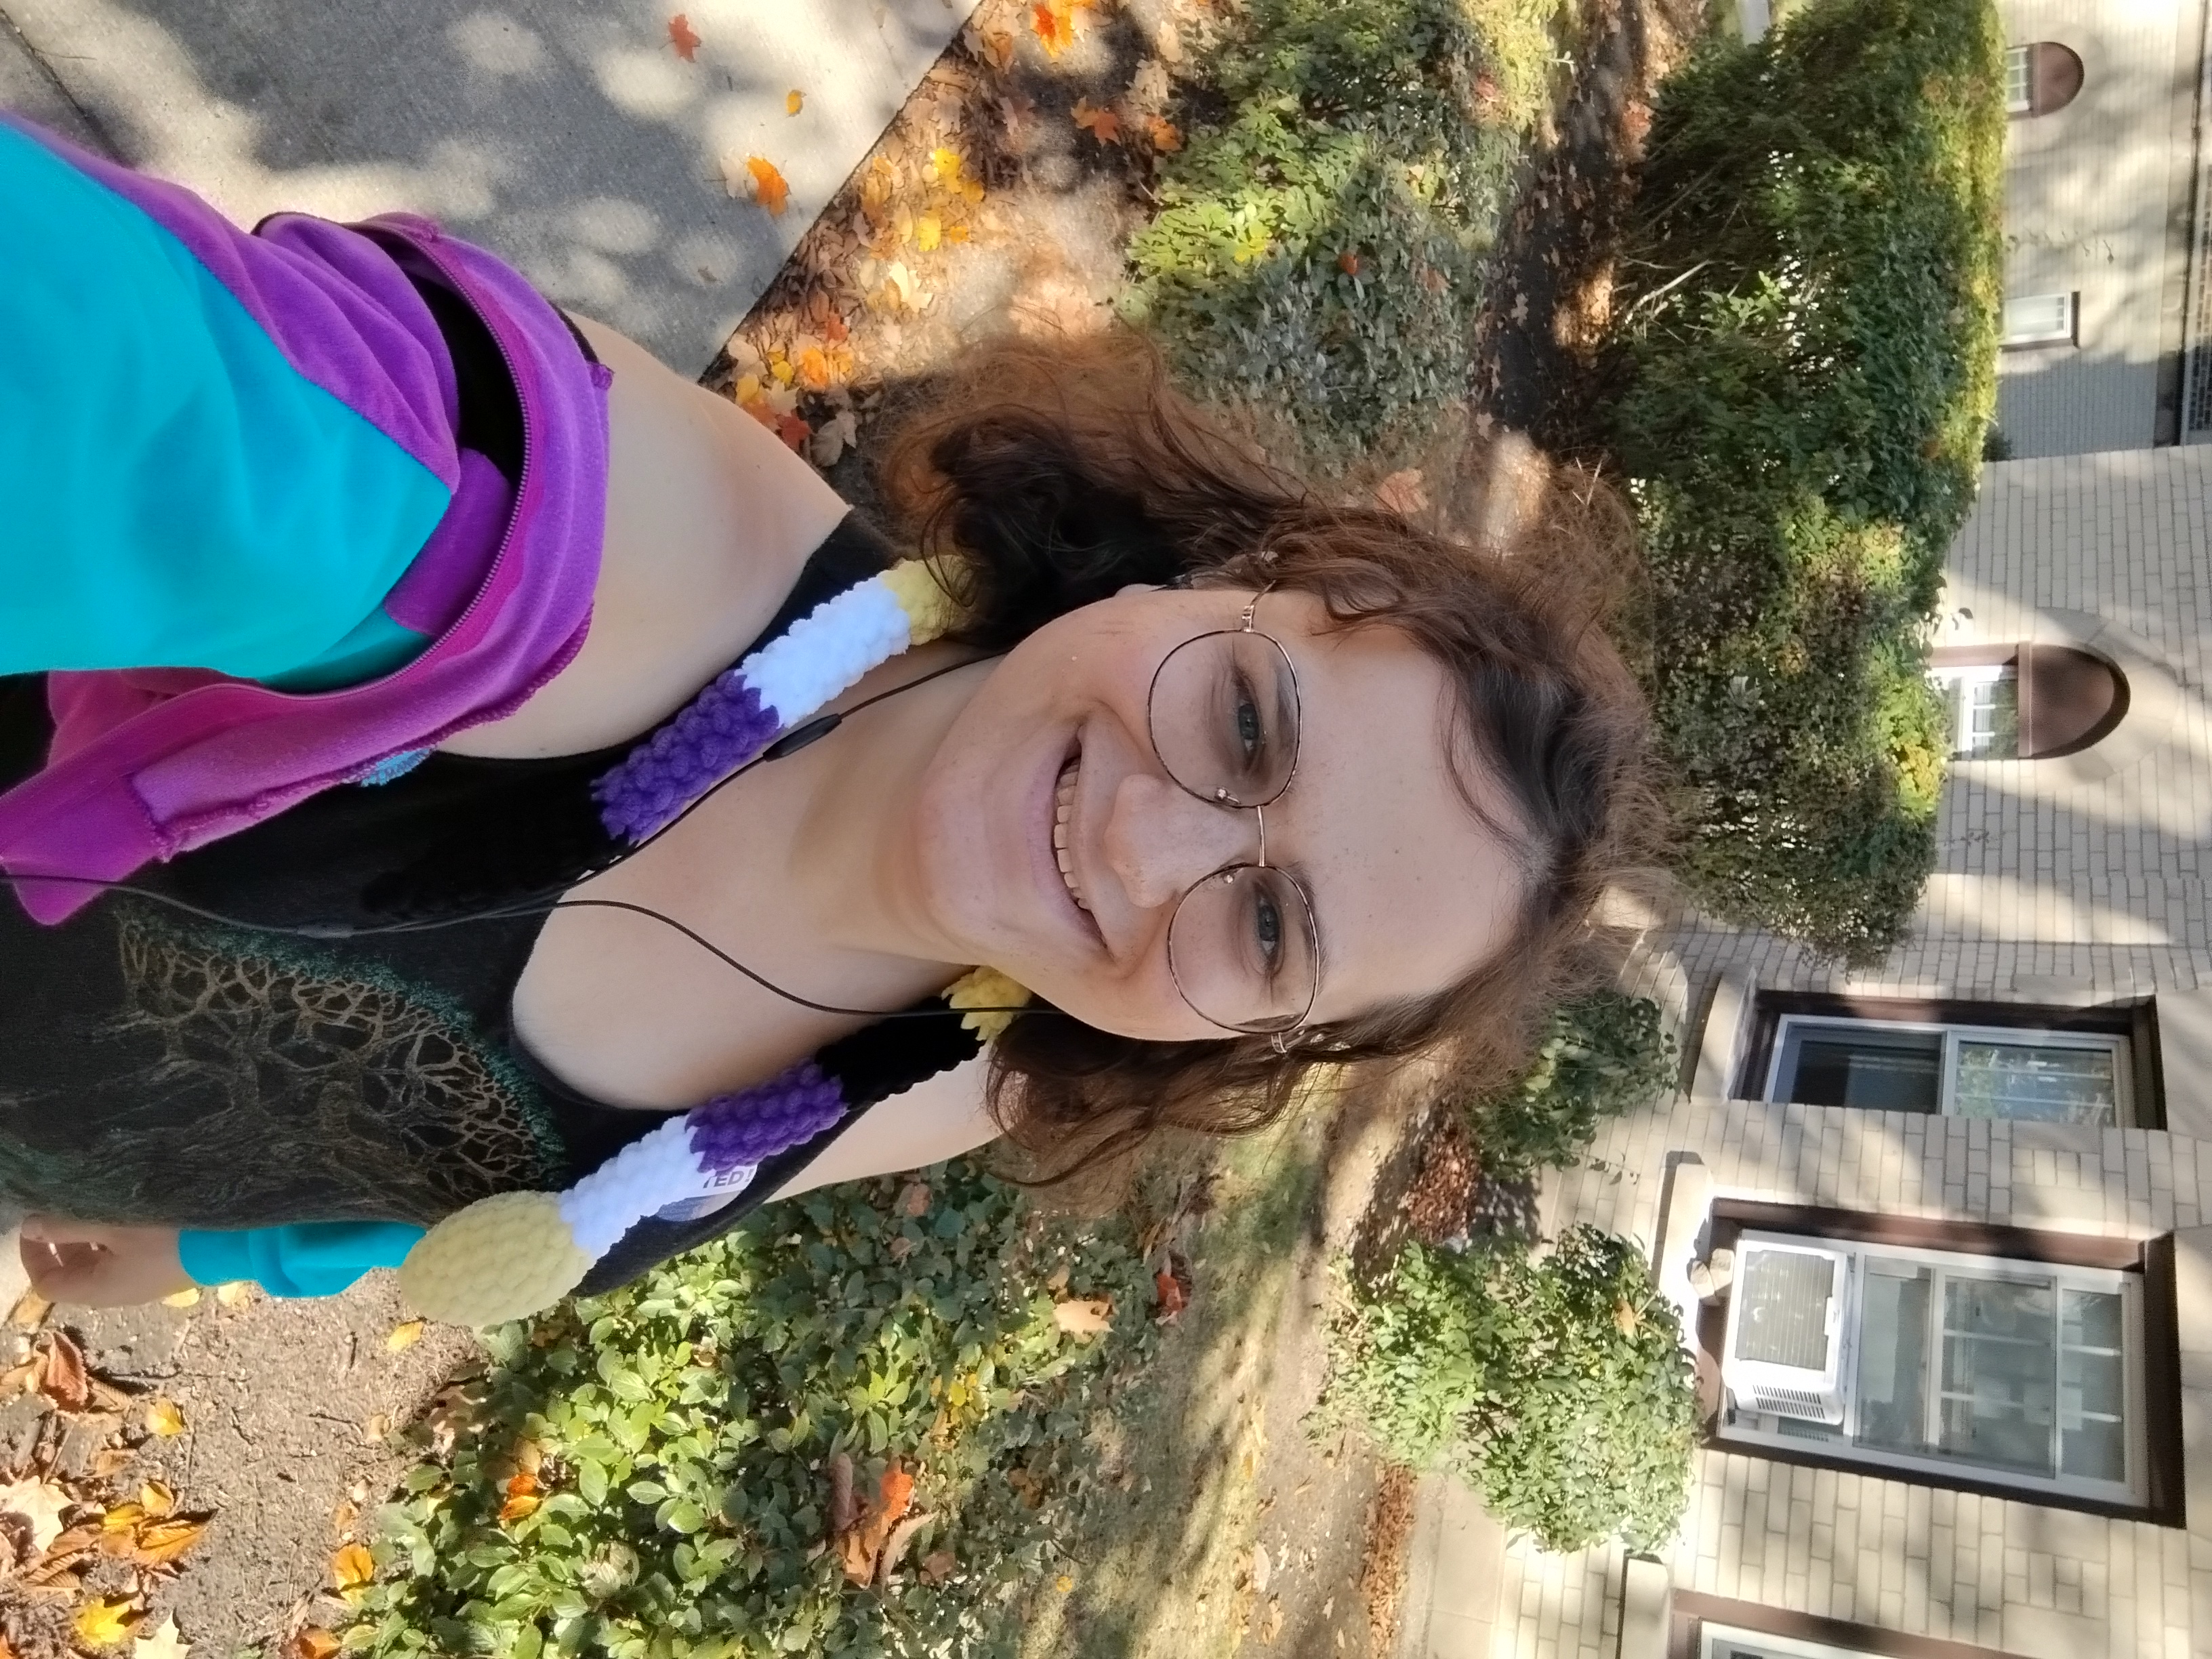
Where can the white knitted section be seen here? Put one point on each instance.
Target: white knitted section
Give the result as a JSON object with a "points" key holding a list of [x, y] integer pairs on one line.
{"points": [[827, 649], [647, 1176]]}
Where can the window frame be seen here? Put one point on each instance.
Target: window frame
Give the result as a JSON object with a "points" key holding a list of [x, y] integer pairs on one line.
{"points": [[2132, 1492], [2118, 1044], [1693, 1610], [2165, 1502], [2069, 335], [2019, 67], [1954, 677]]}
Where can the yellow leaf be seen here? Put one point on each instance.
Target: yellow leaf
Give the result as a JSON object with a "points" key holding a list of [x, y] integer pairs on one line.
{"points": [[163, 1418], [352, 1567], [105, 1622], [313, 1643], [161, 1542], [188, 1298], [769, 189], [164, 1643], [928, 231], [947, 162], [156, 1500], [1063, 1583], [404, 1335], [1085, 1318], [236, 1293], [794, 101], [29, 1311], [747, 390], [122, 1518], [955, 232]]}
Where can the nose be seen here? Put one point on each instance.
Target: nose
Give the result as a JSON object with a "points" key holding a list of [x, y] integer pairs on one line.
{"points": [[1160, 841]]}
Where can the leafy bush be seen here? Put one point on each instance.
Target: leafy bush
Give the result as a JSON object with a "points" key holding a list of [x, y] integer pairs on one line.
{"points": [[680, 1431], [1604, 1055], [1320, 239], [1559, 1388], [1813, 371]]}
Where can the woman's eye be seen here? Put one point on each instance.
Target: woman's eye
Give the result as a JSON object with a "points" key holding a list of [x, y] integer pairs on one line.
{"points": [[1267, 929], [1251, 734]]}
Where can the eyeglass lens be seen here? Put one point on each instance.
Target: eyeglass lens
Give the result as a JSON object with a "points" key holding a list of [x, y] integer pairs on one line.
{"points": [[1224, 720]]}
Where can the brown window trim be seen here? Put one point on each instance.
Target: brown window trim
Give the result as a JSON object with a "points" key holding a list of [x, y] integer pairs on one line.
{"points": [[2134, 1018], [2164, 1497], [1693, 1609]]}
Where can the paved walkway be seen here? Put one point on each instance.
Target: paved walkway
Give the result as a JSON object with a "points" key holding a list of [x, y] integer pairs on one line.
{"points": [[1454, 1562], [566, 134]]}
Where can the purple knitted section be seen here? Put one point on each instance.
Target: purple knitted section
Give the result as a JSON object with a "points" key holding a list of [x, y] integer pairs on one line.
{"points": [[724, 726], [753, 1125]]}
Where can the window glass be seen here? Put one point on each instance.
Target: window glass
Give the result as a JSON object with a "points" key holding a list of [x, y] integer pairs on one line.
{"points": [[2019, 83], [1960, 1071], [1984, 707], [2038, 319], [2015, 1371]]}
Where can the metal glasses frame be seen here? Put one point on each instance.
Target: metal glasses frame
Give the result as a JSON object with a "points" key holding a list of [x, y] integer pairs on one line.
{"points": [[1281, 1031]]}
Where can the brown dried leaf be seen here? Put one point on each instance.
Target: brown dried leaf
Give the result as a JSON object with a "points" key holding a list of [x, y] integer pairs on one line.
{"points": [[1085, 1317], [685, 38], [895, 1546], [30, 1311], [41, 1503], [62, 1378], [161, 1542], [844, 1510], [312, 1643]]}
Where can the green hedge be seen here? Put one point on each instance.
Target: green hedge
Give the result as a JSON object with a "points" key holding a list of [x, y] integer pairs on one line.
{"points": [[1318, 244], [1603, 1055], [686, 1425], [1814, 372], [1559, 1387]]}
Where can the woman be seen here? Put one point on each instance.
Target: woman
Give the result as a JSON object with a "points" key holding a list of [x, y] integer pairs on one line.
{"points": [[397, 614]]}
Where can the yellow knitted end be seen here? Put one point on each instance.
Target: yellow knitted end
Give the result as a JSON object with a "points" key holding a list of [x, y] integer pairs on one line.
{"points": [[501, 1258], [986, 987], [931, 612]]}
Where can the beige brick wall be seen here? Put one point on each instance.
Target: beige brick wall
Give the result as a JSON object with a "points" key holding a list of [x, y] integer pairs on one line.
{"points": [[2064, 882]]}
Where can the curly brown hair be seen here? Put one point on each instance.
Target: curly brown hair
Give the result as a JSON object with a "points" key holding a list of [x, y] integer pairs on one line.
{"points": [[1057, 474]]}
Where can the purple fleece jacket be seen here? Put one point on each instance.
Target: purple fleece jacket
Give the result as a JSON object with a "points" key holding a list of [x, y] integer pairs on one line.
{"points": [[146, 765]]}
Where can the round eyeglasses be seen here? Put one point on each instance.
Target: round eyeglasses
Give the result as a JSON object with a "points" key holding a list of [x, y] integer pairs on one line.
{"points": [[1223, 713]]}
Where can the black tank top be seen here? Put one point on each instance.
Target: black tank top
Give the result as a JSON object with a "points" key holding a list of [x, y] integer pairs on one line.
{"points": [[155, 1067]]}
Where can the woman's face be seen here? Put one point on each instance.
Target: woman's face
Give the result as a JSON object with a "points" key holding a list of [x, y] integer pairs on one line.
{"points": [[1054, 845]]}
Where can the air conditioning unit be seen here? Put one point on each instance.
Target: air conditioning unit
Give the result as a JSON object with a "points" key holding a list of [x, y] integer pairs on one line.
{"points": [[1786, 1334]]}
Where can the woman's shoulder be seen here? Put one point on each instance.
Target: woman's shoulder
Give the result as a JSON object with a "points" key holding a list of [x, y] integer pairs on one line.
{"points": [[710, 522]]}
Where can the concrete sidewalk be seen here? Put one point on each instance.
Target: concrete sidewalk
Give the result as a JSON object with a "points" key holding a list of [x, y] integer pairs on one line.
{"points": [[1455, 1561], [567, 135]]}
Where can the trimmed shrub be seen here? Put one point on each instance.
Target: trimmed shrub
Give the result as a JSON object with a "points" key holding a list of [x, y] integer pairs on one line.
{"points": [[1813, 368], [1318, 243], [677, 1436], [1603, 1055], [1558, 1388]]}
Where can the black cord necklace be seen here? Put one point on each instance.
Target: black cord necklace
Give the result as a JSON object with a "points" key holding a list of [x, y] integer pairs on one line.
{"points": [[800, 737]]}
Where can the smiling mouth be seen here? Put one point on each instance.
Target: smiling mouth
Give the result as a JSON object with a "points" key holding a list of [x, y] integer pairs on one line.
{"points": [[1063, 810]]}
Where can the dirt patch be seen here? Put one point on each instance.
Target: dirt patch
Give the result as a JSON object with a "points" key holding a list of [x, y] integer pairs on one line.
{"points": [[1540, 366], [1382, 1573]]}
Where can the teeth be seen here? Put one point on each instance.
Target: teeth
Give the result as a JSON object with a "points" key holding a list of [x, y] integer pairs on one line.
{"points": [[1063, 809]]}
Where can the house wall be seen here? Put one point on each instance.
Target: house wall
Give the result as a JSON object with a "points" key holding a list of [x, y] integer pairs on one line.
{"points": [[2097, 201], [2061, 882]]}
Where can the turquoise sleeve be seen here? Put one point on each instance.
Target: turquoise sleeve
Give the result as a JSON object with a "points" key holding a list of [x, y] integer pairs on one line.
{"points": [[314, 1258]]}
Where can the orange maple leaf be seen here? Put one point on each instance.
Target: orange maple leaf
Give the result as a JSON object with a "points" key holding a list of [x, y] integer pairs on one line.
{"points": [[769, 189], [1166, 136], [793, 431], [1104, 125], [684, 38], [1054, 24], [814, 370], [522, 1499]]}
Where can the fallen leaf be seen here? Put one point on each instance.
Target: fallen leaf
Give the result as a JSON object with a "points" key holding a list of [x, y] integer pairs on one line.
{"points": [[351, 1567], [30, 1311], [105, 1623], [1166, 136], [794, 101], [1065, 1584], [1169, 1289], [1053, 22], [163, 1418], [1349, 263], [814, 370], [156, 1500], [852, 1555], [164, 1643], [62, 1376], [685, 38], [19, 1379], [939, 1566], [794, 432], [1263, 1569], [41, 1503], [522, 1499], [343, 1516], [404, 1335], [1058, 1281], [914, 1200], [769, 189], [928, 231], [376, 1428], [944, 161], [112, 1461], [1401, 492], [1270, 1625], [312, 1643], [830, 440], [187, 1298], [123, 1517], [161, 1542], [1104, 125], [844, 1510], [1079, 1317], [895, 1546], [997, 49], [236, 1293]]}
